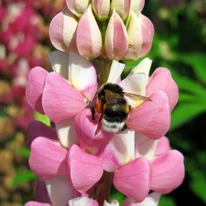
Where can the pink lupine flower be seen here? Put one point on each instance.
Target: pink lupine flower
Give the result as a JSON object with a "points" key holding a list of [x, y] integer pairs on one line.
{"points": [[88, 37], [139, 43], [122, 7], [101, 8], [116, 42], [77, 7], [62, 31]]}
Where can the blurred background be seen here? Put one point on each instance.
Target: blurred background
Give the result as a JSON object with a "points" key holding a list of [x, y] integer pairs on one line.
{"points": [[179, 44]]}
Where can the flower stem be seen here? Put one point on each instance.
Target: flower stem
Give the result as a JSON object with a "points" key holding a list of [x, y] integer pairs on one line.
{"points": [[104, 187]]}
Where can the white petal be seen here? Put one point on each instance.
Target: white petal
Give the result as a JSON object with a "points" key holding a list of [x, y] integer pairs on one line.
{"points": [[59, 61], [80, 201], [151, 200], [143, 67], [124, 144], [59, 190], [66, 132], [113, 203], [82, 75], [144, 146], [115, 71], [134, 84]]}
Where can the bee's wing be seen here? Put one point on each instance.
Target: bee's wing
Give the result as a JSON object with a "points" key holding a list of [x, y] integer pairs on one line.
{"points": [[112, 97], [136, 97]]}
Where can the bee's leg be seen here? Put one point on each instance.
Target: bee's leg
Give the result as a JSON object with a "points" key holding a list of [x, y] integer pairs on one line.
{"points": [[93, 112]]}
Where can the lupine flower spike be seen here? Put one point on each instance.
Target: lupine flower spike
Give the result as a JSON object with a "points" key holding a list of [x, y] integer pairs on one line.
{"points": [[105, 130]]}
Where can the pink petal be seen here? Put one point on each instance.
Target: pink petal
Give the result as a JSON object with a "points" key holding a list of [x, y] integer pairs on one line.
{"points": [[118, 152], [134, 179], [41, 194], [60, 190], [33, 203], [60, 100], [85, 129], [122, 7], [116, 40], [163, 146], [56, 32], [47, 158], [36, 129], [167, 172], [35, 88], [89, 39], [85, 169], [162, 80], [152, 118], [140, 36], [101, 8]]}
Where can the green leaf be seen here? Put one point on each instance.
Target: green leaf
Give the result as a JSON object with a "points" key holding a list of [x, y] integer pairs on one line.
{"points": [[166, 201], [189, 85], [198, 184], [24, 152], [198, 63], [23, 176], [42, 118], [183, 113]]}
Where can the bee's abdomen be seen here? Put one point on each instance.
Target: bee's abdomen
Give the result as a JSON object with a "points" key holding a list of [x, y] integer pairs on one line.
{"points": [[116, 112]]}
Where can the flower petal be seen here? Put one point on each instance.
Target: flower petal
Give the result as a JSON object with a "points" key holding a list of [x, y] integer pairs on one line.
{"points": [[82, 75], [85, 129], [56, 31], [162, 80], [151, 119], [113, 203], [115, 71], [83, 201], [84, 169], [144, 147], [151, 200], [36, 129], [134, 179], [33, 203], [116, 41], [60, 190], [47, 158], [122, 7], [143, 67], [35, 88], [118, 152], [141, 42], [77, 7], [163, 146], [137, 6], [70, 22], [60, 100], [134, 84], [167, 172], [60, 62], [89, 38], [66, 132], [101, 8], [41, 194]]}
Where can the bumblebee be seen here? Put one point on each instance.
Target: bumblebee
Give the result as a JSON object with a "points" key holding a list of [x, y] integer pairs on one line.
{"points": [[113, 107]]}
